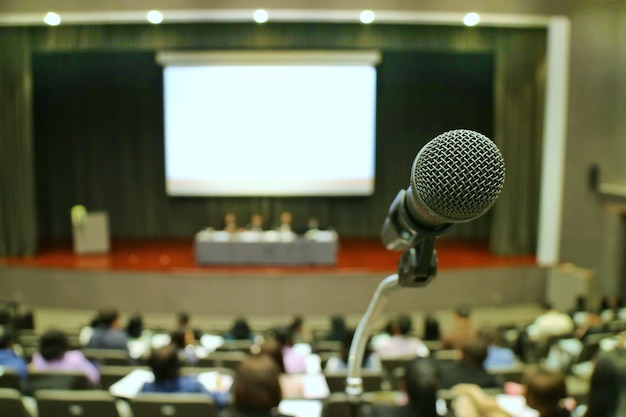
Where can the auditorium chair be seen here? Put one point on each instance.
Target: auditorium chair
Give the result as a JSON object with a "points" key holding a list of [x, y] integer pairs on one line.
{"points": [[180, 405], [10, 379], [66, 403], [372, 380], [57, 380], [101, 357], [11, 404], [228, 360]]}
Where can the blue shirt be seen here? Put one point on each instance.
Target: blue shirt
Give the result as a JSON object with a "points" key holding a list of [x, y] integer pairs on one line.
{"points": [[498, 356], [9, 359], [187, 384]]}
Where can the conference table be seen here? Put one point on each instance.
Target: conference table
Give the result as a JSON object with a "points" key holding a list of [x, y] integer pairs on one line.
{"points": [[266, 248]]}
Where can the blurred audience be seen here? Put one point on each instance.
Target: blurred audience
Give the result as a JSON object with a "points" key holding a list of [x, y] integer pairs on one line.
{"points": [[134, 327], [371, 360], [337, 328], [299, 331], [498, 356], [549, 323], [284, 224], [107, 333], [165, 364], [240, 330], [256, 223], [230, 223], [462, 329], [186, 353], [468, 369], [8, 358], [432, 330], [544, 392], [257, 391], [397, 341], [607, 387], [55, 355], [421, 381], [294, 359], [183, 324]]}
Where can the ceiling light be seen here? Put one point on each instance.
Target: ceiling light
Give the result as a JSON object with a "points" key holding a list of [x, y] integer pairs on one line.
{"points": [[155, 17], [367, 16], [471, 19], [52, 19], [260, 16]]}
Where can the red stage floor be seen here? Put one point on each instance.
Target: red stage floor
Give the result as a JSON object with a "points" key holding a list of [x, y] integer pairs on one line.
{"points": [[178, 255]]}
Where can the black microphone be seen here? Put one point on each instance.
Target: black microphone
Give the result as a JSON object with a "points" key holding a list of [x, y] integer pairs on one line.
{"points": [[455, 178]]}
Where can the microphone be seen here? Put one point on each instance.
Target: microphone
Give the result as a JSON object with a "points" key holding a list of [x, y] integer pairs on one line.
{"points": [[455, 178]]}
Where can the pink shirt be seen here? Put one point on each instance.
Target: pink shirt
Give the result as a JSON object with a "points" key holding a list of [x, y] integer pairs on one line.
{"points": [[73, 360]]}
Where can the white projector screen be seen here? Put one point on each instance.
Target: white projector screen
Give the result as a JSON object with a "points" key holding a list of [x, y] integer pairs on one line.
{"points": [[269, 124]]}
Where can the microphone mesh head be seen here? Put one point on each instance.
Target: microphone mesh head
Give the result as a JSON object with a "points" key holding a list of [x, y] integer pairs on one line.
{"points": [[457, 177]]}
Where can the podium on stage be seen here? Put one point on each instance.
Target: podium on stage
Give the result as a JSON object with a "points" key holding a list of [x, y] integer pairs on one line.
{"points": [[90, 231]]}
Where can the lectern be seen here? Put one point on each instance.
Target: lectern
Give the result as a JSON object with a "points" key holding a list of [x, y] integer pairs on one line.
{"points": [[90, 231]]}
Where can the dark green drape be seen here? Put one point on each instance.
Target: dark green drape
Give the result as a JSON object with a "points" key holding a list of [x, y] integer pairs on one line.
{"points": [[18, 228], [114, 163]]}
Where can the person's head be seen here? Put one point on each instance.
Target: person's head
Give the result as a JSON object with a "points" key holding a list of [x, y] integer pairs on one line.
{"points": [[544, 390], [109, 318], [134, 327], [337, 328], [53, 344], [178, 338], [165, 363], [284, 335], [241, 329], [462, 314], [6, 337], [274, 350], [183, 319], [230, 218], [491, 336], [257, 386], [474, 352], [285, 217], [346, 343], [432, 331], [297, 323], [546, 306], [422, 381], [256, 219], [401, 325]]}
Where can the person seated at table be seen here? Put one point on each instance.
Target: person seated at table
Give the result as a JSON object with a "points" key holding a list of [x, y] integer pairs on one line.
{"points": [[165, 364], [256, 223], [257, 391], [55, 355], [469, 368], [285, 220], [398, 342], [230, 223], [240, 331]]}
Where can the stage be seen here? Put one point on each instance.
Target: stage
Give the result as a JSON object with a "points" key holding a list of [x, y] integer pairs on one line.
{"points": [[177, 255]]}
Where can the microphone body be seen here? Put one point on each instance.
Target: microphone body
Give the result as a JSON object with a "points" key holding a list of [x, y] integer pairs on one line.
{"points": [[455, 178]]}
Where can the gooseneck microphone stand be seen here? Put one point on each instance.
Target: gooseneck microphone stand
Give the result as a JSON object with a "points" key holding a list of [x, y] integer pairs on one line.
{"points": [[416, 268]]}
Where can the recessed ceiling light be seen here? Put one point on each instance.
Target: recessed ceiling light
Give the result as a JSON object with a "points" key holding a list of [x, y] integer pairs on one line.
{"points": [[471, 19], [260, 16], [367, 16], [52, 19], [154, 16]]}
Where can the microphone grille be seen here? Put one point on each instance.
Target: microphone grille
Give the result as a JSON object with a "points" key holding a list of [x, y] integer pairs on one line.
{"points": [[457, 177]]}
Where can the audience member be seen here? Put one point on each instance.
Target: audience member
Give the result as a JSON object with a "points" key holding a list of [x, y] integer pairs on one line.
{"points": [[371, 361], [257, 391], [107, 333], [498, 356], [397, 342], [256, 223], [462, 330], [544, 392], [337, 328], [421, 381], [186, 352], [299, 331], [183, 323], [55, 355], [273, 349], [8, 358], [549, 323], [593, 324], [468, 369], [294, 360], [134, 327], [432, 330], [607, 387], [165, 365], [230, 223], [240, 331]]}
